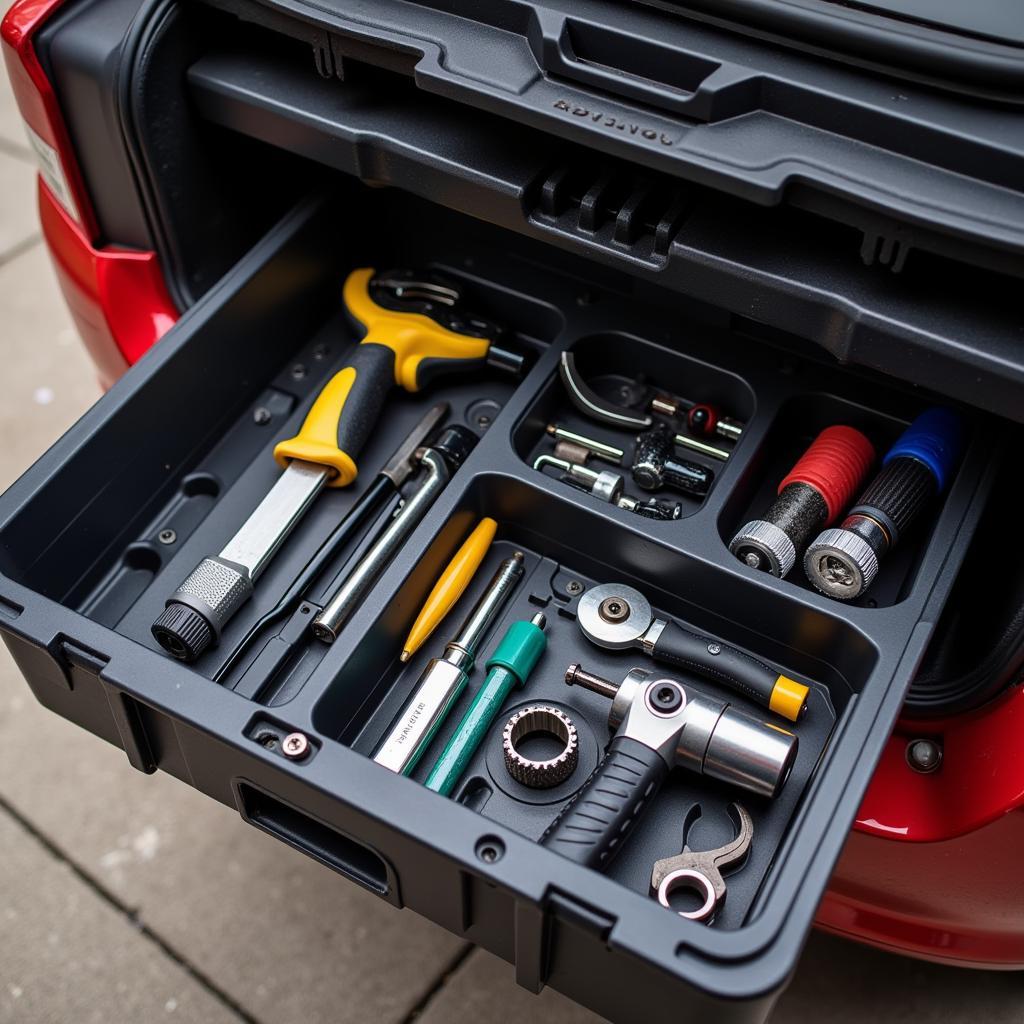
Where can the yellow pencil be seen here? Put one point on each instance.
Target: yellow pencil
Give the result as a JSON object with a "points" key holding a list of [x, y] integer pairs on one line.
{"points": [[450, 585]]}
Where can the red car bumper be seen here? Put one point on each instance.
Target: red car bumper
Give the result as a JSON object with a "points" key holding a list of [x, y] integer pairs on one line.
{"points": [[932, 868]]}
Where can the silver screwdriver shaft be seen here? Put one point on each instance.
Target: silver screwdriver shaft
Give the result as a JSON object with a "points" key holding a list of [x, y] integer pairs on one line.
{"points": [[446, 677]]}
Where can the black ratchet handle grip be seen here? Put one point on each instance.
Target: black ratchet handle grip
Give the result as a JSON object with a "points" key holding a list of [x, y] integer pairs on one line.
{"points": [[740, 672], [592, 827]]}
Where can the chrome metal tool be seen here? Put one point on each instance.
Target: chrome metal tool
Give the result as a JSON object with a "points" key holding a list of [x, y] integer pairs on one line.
{"points": [[445, 678], [440, 460], [618, 617], [386, 484], [659, 723], [701, 870]]}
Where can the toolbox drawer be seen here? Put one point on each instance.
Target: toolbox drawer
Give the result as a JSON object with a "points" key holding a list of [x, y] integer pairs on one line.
{"points": [[98, 533]]}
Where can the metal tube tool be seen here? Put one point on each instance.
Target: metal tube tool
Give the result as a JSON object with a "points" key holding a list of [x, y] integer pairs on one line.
{"points": [[843, 562], [386, 484], [811, 495], [510, 666], [578, 448], [618, 617], [658, 724], [607, 486], [440, 460], [445, 678]]}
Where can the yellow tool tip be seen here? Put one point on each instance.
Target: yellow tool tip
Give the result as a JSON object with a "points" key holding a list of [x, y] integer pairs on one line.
{"points": [[789, 698], [405, 656]]}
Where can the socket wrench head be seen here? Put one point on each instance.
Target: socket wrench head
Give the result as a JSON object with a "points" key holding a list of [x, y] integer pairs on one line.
{"points": [[614, 616]]}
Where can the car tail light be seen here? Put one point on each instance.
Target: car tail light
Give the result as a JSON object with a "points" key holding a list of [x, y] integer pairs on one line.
{"points": [[117, 296]]}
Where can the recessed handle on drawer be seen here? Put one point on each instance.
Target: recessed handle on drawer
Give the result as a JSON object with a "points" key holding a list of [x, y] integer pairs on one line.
{"points": [[317, 839]]}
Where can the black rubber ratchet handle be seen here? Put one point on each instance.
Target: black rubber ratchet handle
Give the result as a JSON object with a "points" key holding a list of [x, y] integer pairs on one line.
{"points": [[593, 826], [719, 662]]}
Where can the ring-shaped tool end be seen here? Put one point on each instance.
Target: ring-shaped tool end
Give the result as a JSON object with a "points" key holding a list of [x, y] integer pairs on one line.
{"points": [[614, 616], [689, 878]]}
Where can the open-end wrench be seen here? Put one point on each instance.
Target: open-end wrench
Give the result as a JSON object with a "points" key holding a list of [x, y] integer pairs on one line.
{"points": [[701, 870]]}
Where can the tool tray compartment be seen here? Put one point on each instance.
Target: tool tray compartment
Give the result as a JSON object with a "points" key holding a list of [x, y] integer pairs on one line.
{"points": [[161, 472]]}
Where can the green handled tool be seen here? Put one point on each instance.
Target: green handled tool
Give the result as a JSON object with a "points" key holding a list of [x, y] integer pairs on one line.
{"points": [[510, 666]]}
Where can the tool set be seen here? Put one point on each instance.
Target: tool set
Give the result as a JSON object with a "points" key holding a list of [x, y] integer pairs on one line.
{"points": [[595, 775]]}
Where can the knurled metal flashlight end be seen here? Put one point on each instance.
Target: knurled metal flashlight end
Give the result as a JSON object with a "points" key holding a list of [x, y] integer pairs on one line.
{"points": [[539, 718], [841, 564], [182, 632], [762, 545], [576, 676]]}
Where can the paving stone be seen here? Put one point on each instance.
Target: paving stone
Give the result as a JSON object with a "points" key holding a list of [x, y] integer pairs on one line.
{"points": [[68, 955], [285, 937], [19, 221], [846, 983], [48, 379], [483, 991]]}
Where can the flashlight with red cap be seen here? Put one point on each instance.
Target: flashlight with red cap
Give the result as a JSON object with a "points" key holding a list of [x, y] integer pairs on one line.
{"points": [[811, 496]]}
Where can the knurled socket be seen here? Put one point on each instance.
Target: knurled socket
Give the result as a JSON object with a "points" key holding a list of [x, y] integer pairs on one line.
{"points": [[841, 564], [539, 718], [770, 543]]}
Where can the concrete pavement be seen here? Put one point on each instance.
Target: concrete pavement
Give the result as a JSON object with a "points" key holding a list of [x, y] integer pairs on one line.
{"points": [[125, 897]]}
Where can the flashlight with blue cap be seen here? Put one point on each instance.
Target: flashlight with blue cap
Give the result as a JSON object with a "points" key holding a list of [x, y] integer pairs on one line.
{"points": [[843, 561]]}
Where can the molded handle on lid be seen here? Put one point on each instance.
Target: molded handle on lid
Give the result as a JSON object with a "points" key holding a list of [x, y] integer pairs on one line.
{"points": [[935, 438], [593, 826], [740, 672], [835, 465]]}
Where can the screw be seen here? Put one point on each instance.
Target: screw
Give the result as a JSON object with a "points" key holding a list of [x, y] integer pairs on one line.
{"points": [[295, 745], [664, 698], [714, 648], [613, 609], [260, 415], [924, 756], [490, 849], [574, 587], [167, 536], [483, 421], [299, 371], [320, 352]]}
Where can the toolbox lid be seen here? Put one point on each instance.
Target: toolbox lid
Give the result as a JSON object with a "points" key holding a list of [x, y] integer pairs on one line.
{"points": [[973, 48]]}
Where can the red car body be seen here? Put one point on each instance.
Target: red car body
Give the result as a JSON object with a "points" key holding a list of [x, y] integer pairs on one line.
{"points": [[931, 868]]}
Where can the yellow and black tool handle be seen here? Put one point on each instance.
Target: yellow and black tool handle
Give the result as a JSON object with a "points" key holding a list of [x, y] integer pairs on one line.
{"points": [[341, 419], [399, 348], [726, 665]]}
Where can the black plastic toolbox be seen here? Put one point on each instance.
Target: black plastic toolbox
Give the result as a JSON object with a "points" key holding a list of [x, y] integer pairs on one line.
{"points": [[657, 195], [175, 445]]}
